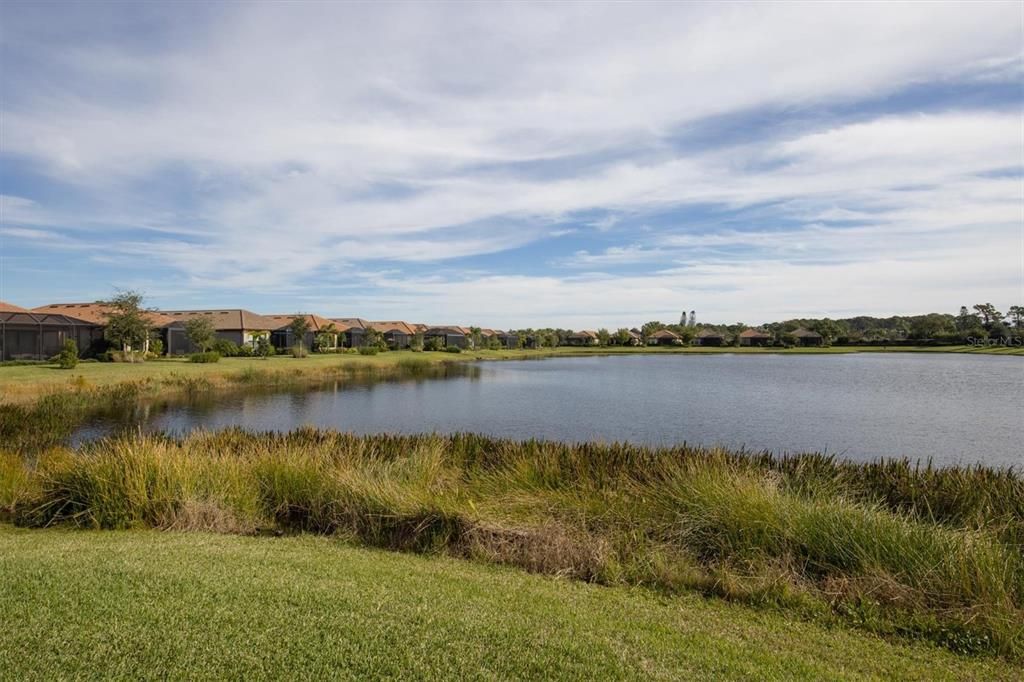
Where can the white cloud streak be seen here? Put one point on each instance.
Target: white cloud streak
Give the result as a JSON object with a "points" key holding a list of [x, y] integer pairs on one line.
{"points": [[315, 137]]}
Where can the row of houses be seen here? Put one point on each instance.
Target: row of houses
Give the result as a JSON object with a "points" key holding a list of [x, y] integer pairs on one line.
{"points": [[40, 333]]}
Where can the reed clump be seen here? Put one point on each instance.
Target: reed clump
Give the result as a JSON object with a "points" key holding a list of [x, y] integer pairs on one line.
{"points": [[899, 549]]}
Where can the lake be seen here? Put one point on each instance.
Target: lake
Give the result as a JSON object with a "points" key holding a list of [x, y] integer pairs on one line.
{"points": [[950, 408]]}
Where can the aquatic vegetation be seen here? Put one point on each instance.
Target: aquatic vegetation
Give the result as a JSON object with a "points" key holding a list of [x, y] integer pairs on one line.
{"points": [[891, 547]]}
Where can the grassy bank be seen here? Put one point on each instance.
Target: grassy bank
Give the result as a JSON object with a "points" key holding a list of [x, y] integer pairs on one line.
{"points": [[156, 605], [919, 553], [26, 383]]}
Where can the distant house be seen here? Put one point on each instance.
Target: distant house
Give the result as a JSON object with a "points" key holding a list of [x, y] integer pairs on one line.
{"points": [[449, 336], [635, 339], [806, 337], [754, 337], [33, 335], [709, 337], [240, 327], [664, 337], [282, 337], [509, 339], [397, 334], [97, 314], [352, 330], [582, 338]]}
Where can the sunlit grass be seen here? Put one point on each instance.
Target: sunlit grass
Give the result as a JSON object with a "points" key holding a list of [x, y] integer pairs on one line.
{"points": [[891, 548]]}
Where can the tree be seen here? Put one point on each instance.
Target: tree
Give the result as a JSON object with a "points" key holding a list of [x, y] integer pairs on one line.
{"points": [[1016, 314], [828, 329], [989, 314], [299, 327], [999, 330], [649, 328], [930, 326], [200, 332], [416, 343], [373, 339], [327, 339], [622, 336], [966, 320], [603, 337], [476, 337], [127, 322]]}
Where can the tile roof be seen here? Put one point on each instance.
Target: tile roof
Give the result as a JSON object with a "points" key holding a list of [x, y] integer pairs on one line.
{"points": [[98, 313], [754, 334], [805, 334], [709, 334], [226, 320], [346, 323], [583, 334], [11, 308], [316, 323], [387, 326], [665, 334], [449, 329]]}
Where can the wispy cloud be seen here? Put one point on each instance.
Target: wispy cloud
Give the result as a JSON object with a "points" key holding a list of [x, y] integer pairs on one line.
{"points": [[210, 149]]}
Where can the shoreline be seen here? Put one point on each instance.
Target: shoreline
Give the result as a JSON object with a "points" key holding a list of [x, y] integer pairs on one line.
{"points": [[24, 383]]}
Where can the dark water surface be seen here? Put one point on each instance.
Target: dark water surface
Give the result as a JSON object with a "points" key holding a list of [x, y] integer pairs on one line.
{"points": [[951, 408]]}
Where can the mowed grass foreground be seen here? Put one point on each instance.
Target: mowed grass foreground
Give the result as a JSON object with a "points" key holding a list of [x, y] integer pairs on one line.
{"points": [[901, 551], [146, 605]]}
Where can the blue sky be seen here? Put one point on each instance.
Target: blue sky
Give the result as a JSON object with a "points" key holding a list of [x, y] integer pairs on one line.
{"points": [[577, 165]]}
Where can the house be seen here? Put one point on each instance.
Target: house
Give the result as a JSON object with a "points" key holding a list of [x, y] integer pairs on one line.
{"points": [[509, 339], [352, 330], [397, 334], [96, 316], [582, 338], [283, 338], [664, 337], [754, 337], [450, 336], [805, 337], [240, 327], [31, 335], [709, 337], [634, 338]]}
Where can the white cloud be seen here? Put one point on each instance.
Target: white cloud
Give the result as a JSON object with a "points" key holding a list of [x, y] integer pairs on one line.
{"points": [[315, 137]]}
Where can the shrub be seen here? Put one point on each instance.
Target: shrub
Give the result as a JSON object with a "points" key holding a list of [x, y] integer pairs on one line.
{"points": [[207, 357], [298, 351], [433, 344], [264, 348], [452, 349], [156, 347], [368, 350], [245, 351], [122, 356], [68, 358], [225, 348]]}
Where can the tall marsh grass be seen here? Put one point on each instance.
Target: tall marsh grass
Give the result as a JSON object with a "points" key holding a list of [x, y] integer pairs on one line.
{"points": [[892, 547]]}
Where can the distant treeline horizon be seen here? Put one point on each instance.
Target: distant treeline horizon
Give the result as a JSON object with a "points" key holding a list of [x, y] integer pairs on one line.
{"points": [[982, 322]]}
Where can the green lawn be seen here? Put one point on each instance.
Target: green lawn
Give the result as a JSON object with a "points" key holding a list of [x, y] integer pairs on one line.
{"points": [[148, 605]]}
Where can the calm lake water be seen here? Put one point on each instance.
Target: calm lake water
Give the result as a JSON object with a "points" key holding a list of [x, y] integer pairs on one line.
{"points": [[951, 408]]}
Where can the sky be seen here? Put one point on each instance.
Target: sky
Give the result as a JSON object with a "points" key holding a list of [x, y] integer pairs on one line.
{"points": [[515, 165]]}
